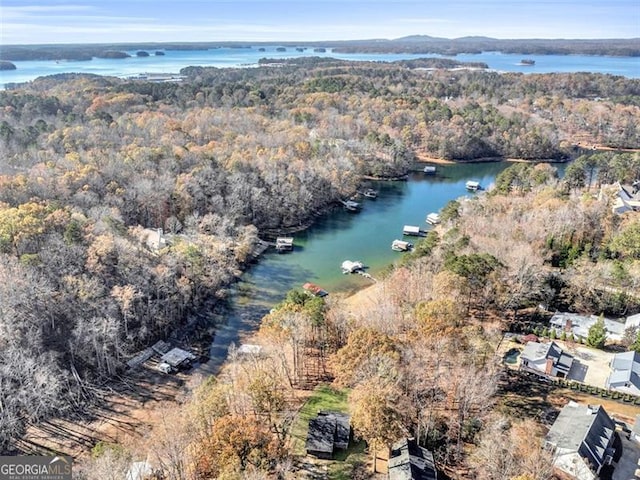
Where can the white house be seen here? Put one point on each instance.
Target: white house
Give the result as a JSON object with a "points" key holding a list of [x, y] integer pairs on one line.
{"points": [[579, 325], [546, 359], [627, 198], [625, 373]]}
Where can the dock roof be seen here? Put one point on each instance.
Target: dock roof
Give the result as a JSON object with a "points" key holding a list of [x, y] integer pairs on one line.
{"points": [[176, 357]]}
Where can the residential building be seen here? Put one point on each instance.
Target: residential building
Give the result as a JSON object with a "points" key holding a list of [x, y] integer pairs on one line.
{"points": [[581, 440], [625, 373], [410, 461], [579, 325], [328, 432], [546, 359]]}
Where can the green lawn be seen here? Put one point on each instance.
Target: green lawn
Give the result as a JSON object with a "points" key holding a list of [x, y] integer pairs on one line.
{"points": [[325, 397]]}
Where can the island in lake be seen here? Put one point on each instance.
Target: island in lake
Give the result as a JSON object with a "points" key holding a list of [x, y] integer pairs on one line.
{"points": [[4, 65]]}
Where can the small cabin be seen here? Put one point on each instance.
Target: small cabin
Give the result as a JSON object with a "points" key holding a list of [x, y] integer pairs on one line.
{"points": [[401, 246], [411, 230], [433, 219], [284, 244], [472, 185], [429, 170]]}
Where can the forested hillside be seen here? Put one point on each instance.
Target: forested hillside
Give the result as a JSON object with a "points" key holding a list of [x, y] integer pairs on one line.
{"points": [[92, 166], [418, 359]]}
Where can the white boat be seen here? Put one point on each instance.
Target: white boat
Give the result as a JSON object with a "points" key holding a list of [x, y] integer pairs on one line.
{"points": [[429, 170], [351, 267], [473, 186], [411, 230], [433, 219], [401, 246], [351, 205], [370, 193]]}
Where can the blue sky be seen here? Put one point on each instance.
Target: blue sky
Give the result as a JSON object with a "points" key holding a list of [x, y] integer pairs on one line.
{"points": [[98, 21]]}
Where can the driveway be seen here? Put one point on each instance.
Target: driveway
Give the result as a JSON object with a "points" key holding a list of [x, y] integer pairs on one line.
{"points": [[590, 366], [628, 463]]}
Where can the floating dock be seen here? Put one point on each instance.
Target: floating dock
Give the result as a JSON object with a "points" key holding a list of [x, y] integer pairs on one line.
{"points": [[433, 219], [412, 230], [401, 246], [284, 244]]}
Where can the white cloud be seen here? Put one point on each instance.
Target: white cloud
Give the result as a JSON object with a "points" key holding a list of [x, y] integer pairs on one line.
{"points": [[30, 11]]}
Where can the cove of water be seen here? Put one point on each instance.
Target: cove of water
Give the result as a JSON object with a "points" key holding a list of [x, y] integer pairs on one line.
{"points": [[174, 60], [341, 235]]}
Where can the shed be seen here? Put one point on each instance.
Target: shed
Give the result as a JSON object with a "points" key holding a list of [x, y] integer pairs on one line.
{"points": [[178, 358]]}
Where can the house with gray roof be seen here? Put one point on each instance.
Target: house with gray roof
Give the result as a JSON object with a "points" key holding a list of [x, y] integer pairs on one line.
{"points": [[581, 440], [410, 461], [328, 432], [579, 325], [625, 373], [546, 359], [627, 198]]}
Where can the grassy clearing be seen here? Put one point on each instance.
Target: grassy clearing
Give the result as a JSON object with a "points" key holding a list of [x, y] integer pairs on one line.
{"points": [[323, 397], [347, 464]]}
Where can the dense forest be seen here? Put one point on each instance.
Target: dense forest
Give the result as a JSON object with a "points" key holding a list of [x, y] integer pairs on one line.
{"points": [[93, 166], [422, 44], [419, 360]]}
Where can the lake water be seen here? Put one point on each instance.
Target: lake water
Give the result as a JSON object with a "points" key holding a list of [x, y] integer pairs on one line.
{"points": [[174, 60], [341, 235]]}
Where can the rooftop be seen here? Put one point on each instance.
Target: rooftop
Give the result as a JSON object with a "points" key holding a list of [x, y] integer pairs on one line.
{"points": [[409, 461], [625, 368], [327, 432], [177, 357], [581, 423]]}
